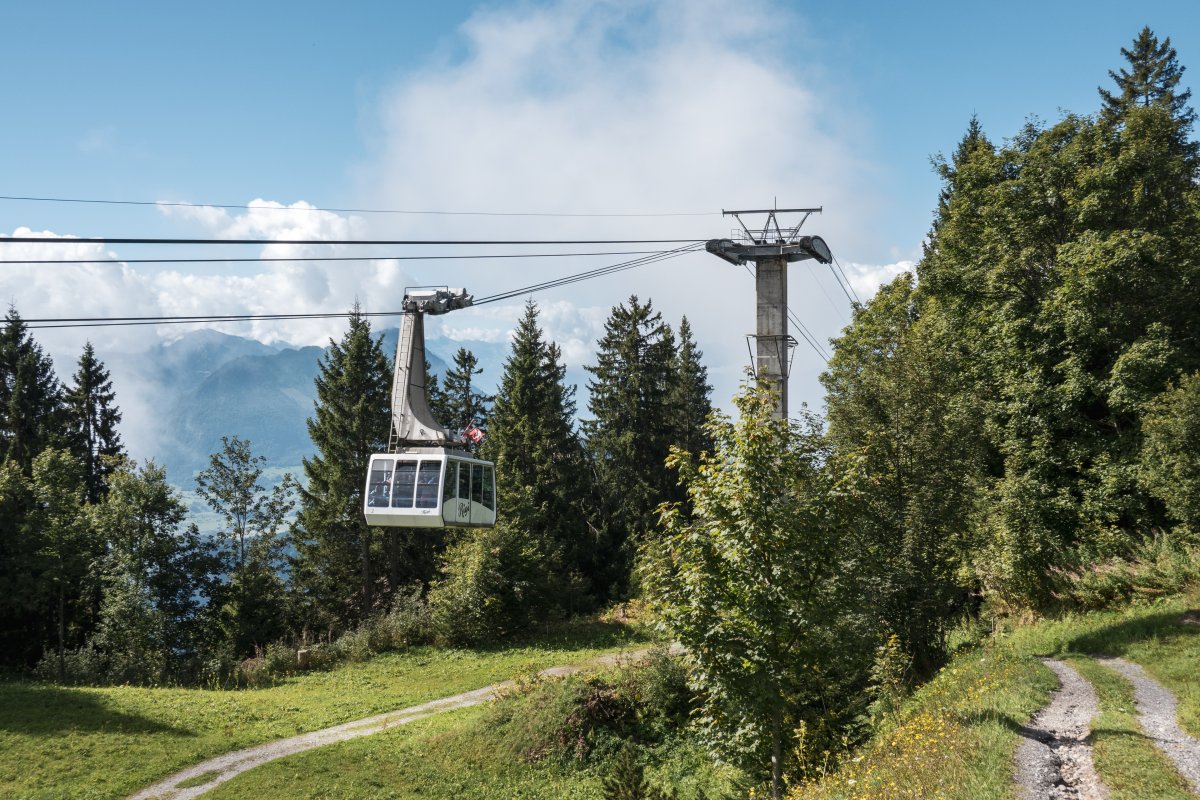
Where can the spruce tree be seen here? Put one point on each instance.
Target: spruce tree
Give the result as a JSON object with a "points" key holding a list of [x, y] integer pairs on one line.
{"points": [[630, 433], [58, 517], [541, 479], [31, 416], [1152, 80], [463, 404], [335, 568], [690, 395], [25, 611], [439, 401], [92, 418]]}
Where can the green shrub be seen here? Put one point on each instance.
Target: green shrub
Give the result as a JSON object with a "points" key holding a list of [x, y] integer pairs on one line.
{"points": [[493, 584], [1157, 567], [353, 645], [584, 719], [85, 665], [279, 659], [408, 623], [659, 691]]}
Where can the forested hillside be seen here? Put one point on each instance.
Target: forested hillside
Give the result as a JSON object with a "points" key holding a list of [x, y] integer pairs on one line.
{"points": [[1012, 429]]}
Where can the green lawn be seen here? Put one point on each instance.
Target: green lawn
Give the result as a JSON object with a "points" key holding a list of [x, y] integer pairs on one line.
{"points": [[463, 754], [953, 739], [445, 756], [1155, 636], [58, 742]]}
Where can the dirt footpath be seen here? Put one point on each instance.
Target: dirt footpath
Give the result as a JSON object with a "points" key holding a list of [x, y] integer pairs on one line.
{"points": [[1054, 761]]}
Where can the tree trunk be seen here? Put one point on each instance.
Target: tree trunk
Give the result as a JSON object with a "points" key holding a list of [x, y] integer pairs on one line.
{"points": [[776, 754], [365, 556], [62, 633]]}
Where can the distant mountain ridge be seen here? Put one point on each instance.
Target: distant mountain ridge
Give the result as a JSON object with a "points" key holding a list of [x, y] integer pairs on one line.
{"points": [[183, 396]]}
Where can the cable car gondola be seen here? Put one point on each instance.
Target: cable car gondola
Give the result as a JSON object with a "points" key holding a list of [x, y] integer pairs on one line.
{"points": [[428, 479]]}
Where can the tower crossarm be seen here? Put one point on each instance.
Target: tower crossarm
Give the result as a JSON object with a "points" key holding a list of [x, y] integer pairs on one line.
{"points": [[804, 247]]}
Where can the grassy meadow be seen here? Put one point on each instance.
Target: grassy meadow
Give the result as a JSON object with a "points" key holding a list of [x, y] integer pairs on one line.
{"points": [[68, 742]]}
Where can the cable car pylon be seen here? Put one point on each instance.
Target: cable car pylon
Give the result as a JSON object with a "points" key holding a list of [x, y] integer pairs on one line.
{"points": [[771, 248], [428, 478]]}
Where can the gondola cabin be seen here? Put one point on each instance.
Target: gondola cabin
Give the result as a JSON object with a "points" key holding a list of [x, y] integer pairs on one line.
{"points": [[430, 487]]}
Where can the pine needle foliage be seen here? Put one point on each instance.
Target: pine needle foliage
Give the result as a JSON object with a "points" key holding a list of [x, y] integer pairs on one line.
{"points": [[92, 418], [336, 562]]}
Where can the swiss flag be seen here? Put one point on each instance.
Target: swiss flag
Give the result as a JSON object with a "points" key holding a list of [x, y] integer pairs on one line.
{"points": [[473, 433]]}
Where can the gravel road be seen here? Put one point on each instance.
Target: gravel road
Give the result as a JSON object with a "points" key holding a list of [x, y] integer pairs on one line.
{"points": [[1054, 761], [1157, 711]]}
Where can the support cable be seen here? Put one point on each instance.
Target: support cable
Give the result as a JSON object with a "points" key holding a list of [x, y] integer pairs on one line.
{"points": [[410, 212], [357, 242], [96, 322], [269, 259], [847, 288]]}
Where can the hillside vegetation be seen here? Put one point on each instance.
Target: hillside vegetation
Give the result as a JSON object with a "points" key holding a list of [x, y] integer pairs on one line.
{"points": [[955, 737]]}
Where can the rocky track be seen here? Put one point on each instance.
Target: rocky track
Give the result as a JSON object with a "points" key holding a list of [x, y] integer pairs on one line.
{"points": [[1054, 761], [1158, 714]]}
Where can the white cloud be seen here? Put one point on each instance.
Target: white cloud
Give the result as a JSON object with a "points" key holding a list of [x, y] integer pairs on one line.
{"points": [[111, 288], [627, 107], [866, 279]]}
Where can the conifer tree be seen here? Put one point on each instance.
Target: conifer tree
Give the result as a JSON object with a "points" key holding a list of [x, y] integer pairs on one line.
{"points": [[690, 395], [92, 419], [30, 396], [463, 404], [1152, 80], [58, 516], [252, 604], [631, 431], [335, 567], [25, 613], [439, 401], [541, 478]]}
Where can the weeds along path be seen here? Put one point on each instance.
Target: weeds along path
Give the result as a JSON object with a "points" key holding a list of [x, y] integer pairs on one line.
{"points": [[1054, 761], [1157, 711], [200, 778]]}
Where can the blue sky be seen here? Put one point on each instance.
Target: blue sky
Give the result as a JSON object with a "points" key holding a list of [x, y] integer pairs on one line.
{"points": [[549, 106]]}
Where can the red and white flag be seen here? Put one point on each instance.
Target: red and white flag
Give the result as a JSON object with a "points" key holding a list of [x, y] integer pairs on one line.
{"points": [[473, 433]]}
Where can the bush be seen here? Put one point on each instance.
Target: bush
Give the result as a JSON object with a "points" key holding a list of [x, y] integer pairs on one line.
{"points": [[495, 582], [279, 659], [585, 719], [1157, 567], [659, 690], [85, 665], [406, 624]]}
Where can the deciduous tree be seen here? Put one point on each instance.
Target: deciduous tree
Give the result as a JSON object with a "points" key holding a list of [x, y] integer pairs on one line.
{"points": [[753, 585]]}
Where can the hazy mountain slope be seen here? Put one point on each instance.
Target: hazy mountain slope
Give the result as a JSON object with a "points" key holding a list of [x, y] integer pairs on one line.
{"points": [[180, 398]]}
